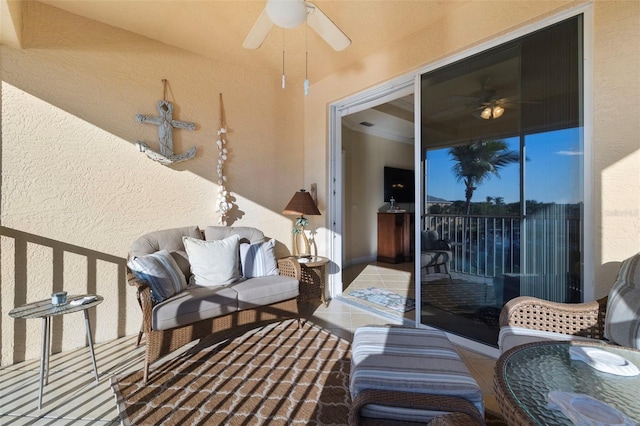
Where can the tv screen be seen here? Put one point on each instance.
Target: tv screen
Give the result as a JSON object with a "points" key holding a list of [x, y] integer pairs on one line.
{"points": [[399, 184]]}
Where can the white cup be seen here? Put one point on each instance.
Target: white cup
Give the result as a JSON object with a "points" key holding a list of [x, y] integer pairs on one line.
{"points": [[59, 298]]}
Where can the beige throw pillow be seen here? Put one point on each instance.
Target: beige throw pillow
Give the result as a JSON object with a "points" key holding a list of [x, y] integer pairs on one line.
{"points": [[213, 263]]}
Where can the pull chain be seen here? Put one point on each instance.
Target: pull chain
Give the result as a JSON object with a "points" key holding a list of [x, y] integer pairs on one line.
{"points": [[306, 62], [283, 77]]}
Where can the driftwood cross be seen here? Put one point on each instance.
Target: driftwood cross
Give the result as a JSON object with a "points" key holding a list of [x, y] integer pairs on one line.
{"points": [[166, 124]]}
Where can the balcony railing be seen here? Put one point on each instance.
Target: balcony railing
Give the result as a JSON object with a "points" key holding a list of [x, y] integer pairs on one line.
{"points": [[544, 250], [482, 245]]}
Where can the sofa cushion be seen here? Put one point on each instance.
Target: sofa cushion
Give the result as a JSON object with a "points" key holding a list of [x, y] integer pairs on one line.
{"points": [[263, 291], [192, 305], [434, 258], [213, 263], [622, 321], [259, 259], [252, 235], [511, 336], [162, 273], [169, 240]]}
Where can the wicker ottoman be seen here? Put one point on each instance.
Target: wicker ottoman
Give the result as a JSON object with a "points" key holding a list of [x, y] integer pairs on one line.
{"points": [[409, 374]]}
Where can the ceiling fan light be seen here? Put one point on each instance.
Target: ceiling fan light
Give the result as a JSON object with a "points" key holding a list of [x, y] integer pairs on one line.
{"points": [[486, 113], [498, 111], [287, 13]]}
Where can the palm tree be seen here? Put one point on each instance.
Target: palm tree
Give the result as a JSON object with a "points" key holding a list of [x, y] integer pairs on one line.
{"points": [[476, 162]]}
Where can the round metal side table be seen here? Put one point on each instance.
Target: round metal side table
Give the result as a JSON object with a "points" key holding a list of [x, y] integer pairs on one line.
{"points": [[45, 310]]}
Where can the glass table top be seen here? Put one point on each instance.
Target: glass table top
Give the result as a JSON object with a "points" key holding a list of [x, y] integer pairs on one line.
{"points": [[44, 308], [531, 373]]}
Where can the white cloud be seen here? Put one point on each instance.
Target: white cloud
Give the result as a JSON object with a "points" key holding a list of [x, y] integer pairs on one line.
{"points": [[569, 153]]}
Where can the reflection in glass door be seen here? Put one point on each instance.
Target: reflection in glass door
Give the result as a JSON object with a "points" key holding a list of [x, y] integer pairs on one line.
{"points": [[502, 155]]}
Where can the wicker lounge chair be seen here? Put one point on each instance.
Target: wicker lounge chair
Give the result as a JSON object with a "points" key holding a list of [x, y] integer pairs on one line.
{"points": [[613, 318]]}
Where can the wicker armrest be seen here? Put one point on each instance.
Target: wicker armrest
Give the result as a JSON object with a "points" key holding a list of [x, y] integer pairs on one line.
{"points": [[134, 282], [416, 401], [579, 319], [143, 295], [289, 268], [454, 419]]}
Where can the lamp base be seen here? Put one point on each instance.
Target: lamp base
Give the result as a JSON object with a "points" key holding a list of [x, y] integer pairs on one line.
{"points": [[301, 244]]}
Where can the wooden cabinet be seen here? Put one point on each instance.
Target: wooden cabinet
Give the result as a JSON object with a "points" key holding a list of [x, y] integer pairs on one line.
{"points": [[394, 237]]}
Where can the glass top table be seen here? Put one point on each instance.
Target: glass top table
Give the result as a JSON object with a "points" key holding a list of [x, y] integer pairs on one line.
{"points": [[526, 374], [45, 310]]}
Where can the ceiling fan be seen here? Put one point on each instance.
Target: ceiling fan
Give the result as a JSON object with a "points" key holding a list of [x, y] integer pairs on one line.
{"points": [[484, 103], [291, 14]]}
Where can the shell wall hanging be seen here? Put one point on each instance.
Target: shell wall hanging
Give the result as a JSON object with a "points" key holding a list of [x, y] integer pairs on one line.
{"points": [[223, 202]]}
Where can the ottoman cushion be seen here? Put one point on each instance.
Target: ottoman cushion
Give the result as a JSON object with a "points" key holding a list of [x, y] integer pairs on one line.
{"points": [[409, 360]]}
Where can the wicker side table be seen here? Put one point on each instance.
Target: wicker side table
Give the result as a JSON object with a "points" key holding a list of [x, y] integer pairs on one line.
{"points": [[312, 277]]}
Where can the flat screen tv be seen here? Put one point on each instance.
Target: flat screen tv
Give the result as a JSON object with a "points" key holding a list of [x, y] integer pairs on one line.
{"points": [[399, 184]]}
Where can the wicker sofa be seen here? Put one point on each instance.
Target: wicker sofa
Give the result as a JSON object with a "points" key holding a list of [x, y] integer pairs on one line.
{"points": [[197, 311]]}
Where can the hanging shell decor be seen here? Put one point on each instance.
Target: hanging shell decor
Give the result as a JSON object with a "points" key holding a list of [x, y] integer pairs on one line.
{"points": [[223, 202]]}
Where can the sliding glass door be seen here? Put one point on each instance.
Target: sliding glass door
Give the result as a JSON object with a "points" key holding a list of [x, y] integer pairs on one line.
{"points": [[502, 182]]}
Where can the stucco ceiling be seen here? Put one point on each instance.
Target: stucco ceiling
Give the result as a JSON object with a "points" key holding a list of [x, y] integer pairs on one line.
{"points": [[217, 28]]}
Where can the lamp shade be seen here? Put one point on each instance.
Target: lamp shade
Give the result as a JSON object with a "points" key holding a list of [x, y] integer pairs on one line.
{"points": [[302, 203]]}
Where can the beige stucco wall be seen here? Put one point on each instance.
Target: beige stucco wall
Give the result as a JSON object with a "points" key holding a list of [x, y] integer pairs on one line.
{"points": [[10, 23], [615, 60], [76, 192], [365, 157]]}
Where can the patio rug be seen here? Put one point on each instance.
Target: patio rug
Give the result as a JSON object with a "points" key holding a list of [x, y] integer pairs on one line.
{"points": [[385, 298], [275, 375]]}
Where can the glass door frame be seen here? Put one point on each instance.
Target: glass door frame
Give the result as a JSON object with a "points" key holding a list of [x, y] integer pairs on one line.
{"points": [[375, 95]]}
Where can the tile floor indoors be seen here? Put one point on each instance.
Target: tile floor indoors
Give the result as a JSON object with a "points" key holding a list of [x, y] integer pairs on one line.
{"points": [[73, 397]]}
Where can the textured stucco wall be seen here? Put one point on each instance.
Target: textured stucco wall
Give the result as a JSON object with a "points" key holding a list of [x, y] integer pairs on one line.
{"points": [[616, 90], [10, 22], [76, 192], [616, 54]]}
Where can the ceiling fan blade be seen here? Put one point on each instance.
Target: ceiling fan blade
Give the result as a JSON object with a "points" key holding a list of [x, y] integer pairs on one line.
{"points": [[326, 29], [451, 112], [259, 32], [454, 99]]}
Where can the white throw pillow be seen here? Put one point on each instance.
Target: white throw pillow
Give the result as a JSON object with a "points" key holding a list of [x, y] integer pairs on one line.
{"points": [[259, 259], [213, 263], [162, 273]]}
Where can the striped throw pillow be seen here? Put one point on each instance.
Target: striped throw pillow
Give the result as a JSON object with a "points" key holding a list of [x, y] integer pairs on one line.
{"points": [[162, 273], [259, 259]]}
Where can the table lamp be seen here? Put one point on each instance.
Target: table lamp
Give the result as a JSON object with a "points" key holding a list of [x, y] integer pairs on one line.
{"points": [[302, 203]]}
